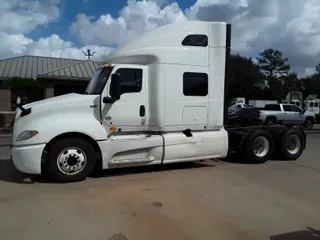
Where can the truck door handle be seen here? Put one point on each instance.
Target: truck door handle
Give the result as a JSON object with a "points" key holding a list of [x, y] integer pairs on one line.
{"points": [[142, 111]]}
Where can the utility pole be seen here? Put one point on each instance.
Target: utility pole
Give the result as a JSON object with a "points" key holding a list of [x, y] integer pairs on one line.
{"points": [[88, 54]]}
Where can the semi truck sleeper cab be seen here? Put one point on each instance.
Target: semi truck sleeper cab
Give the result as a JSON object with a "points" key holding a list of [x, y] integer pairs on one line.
{"points": [[161, 98]]}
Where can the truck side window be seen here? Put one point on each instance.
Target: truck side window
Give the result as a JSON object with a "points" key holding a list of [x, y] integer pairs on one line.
{"points": [[286, 108], [295, 108], [130, 79], [195, 84], [196, 40]]}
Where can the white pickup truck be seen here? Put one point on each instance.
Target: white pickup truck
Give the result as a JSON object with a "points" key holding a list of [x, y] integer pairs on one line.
{"points": [[286, 114], [160, 99]]}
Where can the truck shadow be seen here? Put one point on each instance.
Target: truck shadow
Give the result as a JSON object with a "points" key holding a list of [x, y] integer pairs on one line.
{"points": [[152, 168], [8, 173], [234, 158], [307, 234]]}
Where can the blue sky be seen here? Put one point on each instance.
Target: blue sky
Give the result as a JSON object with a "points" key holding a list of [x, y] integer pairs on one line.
{"points": [[69, 9], [64, 28]]}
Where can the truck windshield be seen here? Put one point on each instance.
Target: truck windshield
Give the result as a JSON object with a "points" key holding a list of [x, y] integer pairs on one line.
{"points": [[98, 81]]}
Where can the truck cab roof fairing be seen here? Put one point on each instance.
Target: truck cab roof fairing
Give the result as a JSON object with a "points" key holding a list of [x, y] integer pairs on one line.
{"points": [[164, 44]]}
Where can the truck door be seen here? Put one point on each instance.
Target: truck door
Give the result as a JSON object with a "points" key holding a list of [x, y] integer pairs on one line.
{"points": [[287, 114], [126, 121], [298, 116], [129, 113]]}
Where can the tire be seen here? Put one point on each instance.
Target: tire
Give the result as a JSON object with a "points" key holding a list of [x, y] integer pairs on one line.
{"points": [[71, 160], [254, 154], [271, 122], [291, 147], [308, 123]]}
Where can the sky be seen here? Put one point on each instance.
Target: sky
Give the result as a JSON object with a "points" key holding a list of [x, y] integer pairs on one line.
{"points": [[65, 28]]}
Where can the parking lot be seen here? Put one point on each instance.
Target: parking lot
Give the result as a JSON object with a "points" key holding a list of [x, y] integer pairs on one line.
{"points": [[207, 200]]}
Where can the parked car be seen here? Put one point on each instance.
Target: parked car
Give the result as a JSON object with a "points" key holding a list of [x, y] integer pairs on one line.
{"points": [[286, 114]]}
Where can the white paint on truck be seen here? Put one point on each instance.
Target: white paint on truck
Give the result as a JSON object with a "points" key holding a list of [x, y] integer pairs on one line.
{"points": [[163, 95], [159, 99]]}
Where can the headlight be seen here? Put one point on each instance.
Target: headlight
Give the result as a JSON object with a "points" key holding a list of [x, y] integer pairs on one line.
{"points": [[26, 135]]}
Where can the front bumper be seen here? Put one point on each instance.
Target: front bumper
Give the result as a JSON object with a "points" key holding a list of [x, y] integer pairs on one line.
{"points": [[27, 159]]}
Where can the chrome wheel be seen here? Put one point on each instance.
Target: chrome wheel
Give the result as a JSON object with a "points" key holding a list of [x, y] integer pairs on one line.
{"points": [[293, 144], [261, 146], [71, 161]]}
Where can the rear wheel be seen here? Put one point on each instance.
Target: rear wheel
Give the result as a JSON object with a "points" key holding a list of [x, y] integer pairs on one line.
{"points": [[71, 160], [258, 147], [292, 145]]}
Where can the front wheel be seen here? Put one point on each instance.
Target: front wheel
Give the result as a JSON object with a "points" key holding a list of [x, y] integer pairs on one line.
{"points": [[71, 160], [308, 123]]}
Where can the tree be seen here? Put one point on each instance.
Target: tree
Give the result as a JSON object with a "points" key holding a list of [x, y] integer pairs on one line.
{"points": [[318, 69], [245, 77], [311, 85], [30, 89], [291, 83], [273, 64], [16, 83]]}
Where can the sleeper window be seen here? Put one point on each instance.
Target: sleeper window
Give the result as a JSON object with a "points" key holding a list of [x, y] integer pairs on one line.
{"points": [[195, 40], [195, 84]]}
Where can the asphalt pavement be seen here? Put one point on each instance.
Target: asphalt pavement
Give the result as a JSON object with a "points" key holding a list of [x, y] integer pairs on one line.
{"points": [[219, 199]]}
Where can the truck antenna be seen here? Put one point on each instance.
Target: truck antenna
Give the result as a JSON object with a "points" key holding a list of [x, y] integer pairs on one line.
{"points": [[88, 54]]}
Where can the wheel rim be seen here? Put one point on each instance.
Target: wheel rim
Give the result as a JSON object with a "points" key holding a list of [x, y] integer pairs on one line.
{"points": [[293, 144], [71, 161], [261, 146], [309, 124]]}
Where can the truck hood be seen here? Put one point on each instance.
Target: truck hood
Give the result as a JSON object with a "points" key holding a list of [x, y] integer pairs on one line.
{"points": [[64, 101], [309, 113]]}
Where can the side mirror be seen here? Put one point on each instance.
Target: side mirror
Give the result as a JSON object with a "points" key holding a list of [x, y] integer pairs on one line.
{"points": [[114, 91], [115, 87], [18, 101], [303, 111]]}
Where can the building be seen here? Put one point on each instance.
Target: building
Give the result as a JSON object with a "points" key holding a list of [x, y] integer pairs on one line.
{"points": [[58, 76]]}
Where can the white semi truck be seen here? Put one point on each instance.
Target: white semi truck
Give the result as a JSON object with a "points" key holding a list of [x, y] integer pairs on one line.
{"points": [[160, 99]]}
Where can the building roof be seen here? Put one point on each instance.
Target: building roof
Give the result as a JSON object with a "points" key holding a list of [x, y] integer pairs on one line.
{"points": [[34, 66], [81, 70]]}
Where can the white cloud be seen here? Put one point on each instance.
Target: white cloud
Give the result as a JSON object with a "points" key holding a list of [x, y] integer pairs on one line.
{"points": [[52, 46], [135, 18], [22, 16], [18, 17], [287, 25], [290, 26]]}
